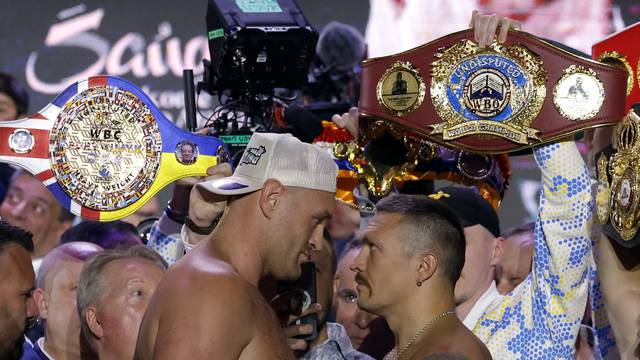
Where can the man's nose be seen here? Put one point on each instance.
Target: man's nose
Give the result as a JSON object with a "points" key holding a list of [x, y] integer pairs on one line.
{"points": [[358, 263], [316, 242]]}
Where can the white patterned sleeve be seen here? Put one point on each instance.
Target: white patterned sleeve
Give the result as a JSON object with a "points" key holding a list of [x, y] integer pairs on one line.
{"points": [[541, 318]]}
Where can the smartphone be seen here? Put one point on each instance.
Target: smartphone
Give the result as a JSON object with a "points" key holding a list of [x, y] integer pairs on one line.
{"points": [[299, 295]]}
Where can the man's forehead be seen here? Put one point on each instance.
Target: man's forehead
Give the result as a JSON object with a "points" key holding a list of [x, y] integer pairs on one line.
{"points": [[32, 186], [65, 270], [382, 222], [320, 194], [16, 259], [127, 262], [477, 232]]}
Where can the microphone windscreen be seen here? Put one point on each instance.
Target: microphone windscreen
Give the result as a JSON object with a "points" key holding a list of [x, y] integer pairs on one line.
{"points": [[340, 46]]}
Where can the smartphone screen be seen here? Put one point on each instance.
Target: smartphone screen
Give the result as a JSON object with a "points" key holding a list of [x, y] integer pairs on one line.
{"points": [[299, 295]]}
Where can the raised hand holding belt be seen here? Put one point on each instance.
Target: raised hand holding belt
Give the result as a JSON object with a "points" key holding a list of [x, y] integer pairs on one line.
{"points": [[104, 149], [501, 99]]}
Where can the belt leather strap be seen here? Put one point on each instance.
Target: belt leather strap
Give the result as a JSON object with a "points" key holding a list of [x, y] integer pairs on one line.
{"points": [[511, 96]]}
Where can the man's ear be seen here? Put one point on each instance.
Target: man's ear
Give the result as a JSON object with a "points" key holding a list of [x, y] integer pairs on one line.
{"points": [[498, 251], [41, 299], [427, 266], [271, 197], [91, 317]]}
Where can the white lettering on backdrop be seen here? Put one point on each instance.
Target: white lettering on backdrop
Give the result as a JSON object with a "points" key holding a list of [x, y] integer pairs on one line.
{"points": [[146, 59]]}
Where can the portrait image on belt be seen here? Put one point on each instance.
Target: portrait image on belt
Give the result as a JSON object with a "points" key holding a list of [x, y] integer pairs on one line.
{"points": [[576, 91], [186, 152], [399, 86], [21, 141], [401, 89], [579, 93]]}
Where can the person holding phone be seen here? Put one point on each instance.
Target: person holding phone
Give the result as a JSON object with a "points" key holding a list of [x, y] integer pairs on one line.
{"points": [[308, 331]]}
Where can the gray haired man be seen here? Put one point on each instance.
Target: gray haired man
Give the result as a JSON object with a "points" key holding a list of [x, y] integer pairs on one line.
{"points": [[55, 298], [113, 293]]}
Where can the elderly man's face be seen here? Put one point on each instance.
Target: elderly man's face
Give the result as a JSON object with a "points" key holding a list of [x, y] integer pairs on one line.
{"points": [[8, 109], [516, 262], [31, 206], [16, 303], [187, 153], [479, 255], [130, 284], [61, 312]]}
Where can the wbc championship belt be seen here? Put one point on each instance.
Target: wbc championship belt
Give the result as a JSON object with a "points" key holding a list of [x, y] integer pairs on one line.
{"points": [[104, 149], [498, 99]]}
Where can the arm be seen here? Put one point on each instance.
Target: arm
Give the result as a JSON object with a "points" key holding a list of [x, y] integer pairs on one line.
{"points": [[541, 317], [170, 238], [164, 239], [164, 236], [619, 273], [562, 245]]}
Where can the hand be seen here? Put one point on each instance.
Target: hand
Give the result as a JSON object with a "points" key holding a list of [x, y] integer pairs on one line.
{"points": [[485, 27], [204, 207], [349, 121], [292, 330]]}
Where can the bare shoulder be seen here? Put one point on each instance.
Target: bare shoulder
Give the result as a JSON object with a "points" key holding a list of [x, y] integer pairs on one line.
{"points": [[456, 339], [206, 280], [202, 296]]}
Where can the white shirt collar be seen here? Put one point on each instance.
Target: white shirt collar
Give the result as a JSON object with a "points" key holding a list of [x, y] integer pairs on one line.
{"points": [[489, 297], [40, 343]]}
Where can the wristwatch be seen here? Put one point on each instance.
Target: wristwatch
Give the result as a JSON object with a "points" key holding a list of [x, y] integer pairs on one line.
{"points": [[177, 216]]}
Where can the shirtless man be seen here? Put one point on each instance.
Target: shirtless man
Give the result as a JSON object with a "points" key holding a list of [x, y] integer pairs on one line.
{"points": [[208, 304], [423, 242]]}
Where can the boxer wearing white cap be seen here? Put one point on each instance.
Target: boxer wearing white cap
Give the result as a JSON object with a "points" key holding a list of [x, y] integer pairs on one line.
{"points": [[281, 197]]}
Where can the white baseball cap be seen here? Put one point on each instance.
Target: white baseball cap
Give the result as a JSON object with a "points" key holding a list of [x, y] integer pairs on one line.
{"points": [[282, 157]]}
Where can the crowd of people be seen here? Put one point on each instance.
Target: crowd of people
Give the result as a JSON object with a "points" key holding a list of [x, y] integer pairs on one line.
{"points": [[429, 276]]}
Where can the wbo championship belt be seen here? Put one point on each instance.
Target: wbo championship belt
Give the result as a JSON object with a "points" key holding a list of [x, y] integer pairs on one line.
{"points": [[499, 99], [104, 149]]}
